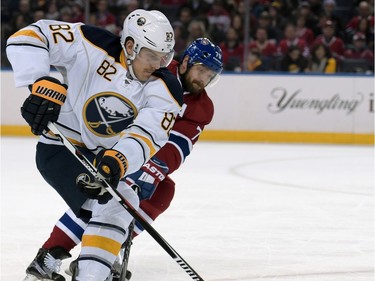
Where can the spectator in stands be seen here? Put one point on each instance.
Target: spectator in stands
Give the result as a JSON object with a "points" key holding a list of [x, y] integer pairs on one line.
{"points": [[24, 12], [53, 11], [150, 5], [304, 10], [19, 22], [218, 20], [240, 9], [329, 7], [104, 17], [196, 29], [364, 12], [126, 4], [321, 60], [304, 32], [272, 16], [38, 15], [93, 20], [359, 50], [233, 50], [66, 14], [265, 22], [16, 21], [365, 28], [237, 24], [291, 39], [180, 42], [294, 61], [254, 61], [185, 16], [266, 47], [315, 7], [77, 12], [132, 6], [172, 2], [277, 21], [328, 38], [198, 8], [39, 5]]}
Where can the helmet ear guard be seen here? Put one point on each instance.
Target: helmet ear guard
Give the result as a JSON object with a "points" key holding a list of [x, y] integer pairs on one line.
{"points": [[203, 51]]}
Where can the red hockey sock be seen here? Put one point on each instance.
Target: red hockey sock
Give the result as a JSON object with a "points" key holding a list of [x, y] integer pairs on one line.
{"points": [[58, 238]]}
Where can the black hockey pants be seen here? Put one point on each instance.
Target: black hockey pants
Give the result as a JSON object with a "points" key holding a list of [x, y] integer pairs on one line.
{"points": [[60, 169]]}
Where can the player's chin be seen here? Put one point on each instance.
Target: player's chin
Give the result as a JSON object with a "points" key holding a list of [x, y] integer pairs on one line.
{"points": [[144, 76], [197, 88]]}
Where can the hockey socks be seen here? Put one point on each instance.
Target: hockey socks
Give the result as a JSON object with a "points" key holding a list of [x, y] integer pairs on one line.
{"points": [[67, 232]]}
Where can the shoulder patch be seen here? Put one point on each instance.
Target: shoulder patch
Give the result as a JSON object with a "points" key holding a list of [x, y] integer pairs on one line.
{"points": [[172, 83]]}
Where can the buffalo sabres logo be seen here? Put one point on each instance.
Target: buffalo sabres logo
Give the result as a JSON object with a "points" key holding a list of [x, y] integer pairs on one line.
{"points": [[107, 114]]}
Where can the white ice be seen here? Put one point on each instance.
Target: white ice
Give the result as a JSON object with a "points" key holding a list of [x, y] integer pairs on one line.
{"points": [[242, 211]]}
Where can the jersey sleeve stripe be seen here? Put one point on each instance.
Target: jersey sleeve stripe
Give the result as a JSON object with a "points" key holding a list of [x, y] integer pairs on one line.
{"points": [[147, 133], [146, 141], [24, 44], [181, 142], [41, 32], [26, 32]]}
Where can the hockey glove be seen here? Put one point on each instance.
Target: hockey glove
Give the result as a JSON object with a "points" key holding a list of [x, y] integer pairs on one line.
{"points": [[44, 103], [148, 177], [111, 166]]}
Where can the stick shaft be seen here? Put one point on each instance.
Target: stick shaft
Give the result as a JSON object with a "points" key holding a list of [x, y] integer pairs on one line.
{"points": [[122, 200]]}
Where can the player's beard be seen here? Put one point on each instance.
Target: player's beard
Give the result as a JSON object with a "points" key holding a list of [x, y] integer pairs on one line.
{"points": [[192, 86]]}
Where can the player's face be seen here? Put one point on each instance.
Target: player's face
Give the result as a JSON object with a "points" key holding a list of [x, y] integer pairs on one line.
{"points": [[197, 78], [146, 62]]}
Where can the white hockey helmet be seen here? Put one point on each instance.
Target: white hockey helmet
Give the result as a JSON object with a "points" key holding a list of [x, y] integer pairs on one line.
{"points": [[151, 30]]}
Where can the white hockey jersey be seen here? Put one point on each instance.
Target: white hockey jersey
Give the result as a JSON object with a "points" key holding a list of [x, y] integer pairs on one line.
{"points": [[105, 107]]}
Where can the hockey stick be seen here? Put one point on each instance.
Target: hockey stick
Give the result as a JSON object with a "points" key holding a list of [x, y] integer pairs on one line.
{"points": [[122, 200], [124, 273]]}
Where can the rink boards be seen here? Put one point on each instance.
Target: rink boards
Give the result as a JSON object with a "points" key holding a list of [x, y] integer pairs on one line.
{"points": [[255, 107]]}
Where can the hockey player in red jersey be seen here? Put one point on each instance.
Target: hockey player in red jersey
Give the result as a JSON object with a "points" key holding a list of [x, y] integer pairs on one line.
{"points": [[197, 112], [199, 67]]}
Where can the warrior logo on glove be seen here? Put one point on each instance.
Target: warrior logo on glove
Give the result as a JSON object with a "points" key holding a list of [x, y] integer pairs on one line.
{"points": [[50, 91], [44, 103]]}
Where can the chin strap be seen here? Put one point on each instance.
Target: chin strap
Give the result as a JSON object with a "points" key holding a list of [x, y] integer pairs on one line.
{"points": [[130, 69], [129, 61]]}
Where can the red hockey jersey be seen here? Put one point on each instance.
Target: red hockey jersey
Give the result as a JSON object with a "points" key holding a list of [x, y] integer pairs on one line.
{"points": [[197, 113]]}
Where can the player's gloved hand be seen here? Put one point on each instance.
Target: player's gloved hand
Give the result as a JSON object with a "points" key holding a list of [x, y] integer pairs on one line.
{"points": [[111, 165], [148, 177], [44, 103]]}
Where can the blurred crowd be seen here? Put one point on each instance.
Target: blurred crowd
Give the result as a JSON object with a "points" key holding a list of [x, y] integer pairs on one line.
{"points": [[317, 36]]}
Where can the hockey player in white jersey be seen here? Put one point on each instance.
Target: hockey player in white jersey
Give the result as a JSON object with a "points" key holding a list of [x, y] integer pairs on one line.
{"points": [[116, 103]]}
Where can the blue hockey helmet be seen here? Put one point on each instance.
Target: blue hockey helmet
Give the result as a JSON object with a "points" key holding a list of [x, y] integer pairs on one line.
{"points": [[203, 51]]}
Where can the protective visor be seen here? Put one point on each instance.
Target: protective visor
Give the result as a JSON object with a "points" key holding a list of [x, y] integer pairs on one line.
{"points": [[156, 59], [208, 76]]}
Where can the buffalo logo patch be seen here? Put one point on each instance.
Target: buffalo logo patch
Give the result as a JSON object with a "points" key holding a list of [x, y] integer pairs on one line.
{"points": [[107, 114]]}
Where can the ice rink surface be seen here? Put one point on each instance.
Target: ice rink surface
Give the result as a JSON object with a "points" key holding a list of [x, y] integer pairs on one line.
{"points": [[242, 212]]}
